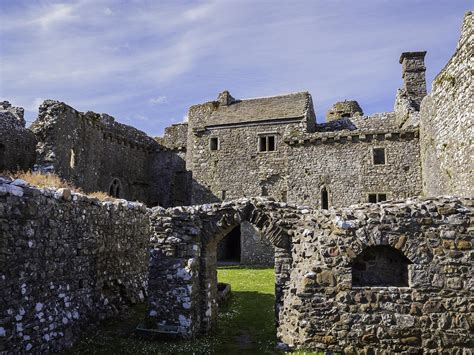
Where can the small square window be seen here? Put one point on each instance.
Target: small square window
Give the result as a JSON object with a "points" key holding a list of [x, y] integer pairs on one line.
{"points": [[214, 143], [379, 156], [373, 198], [267, 143]]}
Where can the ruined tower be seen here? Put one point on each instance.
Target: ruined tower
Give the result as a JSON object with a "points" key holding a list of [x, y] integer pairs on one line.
{"points": [[413, 74]]}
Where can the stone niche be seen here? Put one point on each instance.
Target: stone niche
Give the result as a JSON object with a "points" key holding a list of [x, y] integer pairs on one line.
{"points": [[380, 266]]}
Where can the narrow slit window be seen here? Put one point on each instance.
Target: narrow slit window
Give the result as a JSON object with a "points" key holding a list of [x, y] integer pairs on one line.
{"points": [[214, 143], [223, 193], [324, 199], [379, 156]]}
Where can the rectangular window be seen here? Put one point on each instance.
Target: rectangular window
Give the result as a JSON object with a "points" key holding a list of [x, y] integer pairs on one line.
{"points": [[223, 193], [379, 156], [267, 143], [374, 198], [214, 143]]}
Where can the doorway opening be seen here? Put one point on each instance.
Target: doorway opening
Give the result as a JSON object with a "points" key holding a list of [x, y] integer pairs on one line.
{"points": [[229, 248]]}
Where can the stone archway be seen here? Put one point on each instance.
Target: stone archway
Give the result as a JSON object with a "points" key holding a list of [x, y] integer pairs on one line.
{"points": [[183, 276]]}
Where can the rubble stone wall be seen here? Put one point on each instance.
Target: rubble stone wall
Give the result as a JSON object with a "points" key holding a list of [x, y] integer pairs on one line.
{"points": [[324, 310], [66, 261], [342, 163], [92, 151], [17, 143], [447, 124], [237, 168]]}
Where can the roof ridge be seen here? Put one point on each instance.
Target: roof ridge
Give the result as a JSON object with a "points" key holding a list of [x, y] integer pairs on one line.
{"points": [[273, 96]]}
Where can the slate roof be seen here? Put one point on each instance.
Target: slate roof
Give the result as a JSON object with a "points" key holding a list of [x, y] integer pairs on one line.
{"points": [[280, 107]]}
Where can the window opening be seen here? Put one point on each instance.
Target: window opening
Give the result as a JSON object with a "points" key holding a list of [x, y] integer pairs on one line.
{"points": [[324, 198], [267, 143], [379, 156], [214, 143]]}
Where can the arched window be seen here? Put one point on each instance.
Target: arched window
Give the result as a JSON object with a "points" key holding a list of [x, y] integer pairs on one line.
{"points": [[115, 188], [380, 266], [324, 198]]}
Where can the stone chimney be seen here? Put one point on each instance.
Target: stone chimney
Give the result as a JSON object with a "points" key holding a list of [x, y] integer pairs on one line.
{"points": [[413, 74], [225, 98]]}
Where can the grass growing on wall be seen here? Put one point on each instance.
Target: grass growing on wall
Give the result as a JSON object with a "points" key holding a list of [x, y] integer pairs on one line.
{"points": [[246, 325]]}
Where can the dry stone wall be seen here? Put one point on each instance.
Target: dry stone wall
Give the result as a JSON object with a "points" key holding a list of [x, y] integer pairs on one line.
{"points": [[326, 308], [447, 124], [66, 261], [17, 143]]}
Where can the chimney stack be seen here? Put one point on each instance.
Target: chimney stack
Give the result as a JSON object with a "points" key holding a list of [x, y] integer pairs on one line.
{"points": [[413, 74]]}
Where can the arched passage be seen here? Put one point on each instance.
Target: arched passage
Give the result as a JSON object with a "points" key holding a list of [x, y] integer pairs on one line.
{"points": [[183, 266]]}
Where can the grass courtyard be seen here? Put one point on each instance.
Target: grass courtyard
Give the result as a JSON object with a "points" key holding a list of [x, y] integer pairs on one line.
{"points": [[246, 325]]}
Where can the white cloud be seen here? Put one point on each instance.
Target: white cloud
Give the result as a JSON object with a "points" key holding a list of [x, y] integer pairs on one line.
{"points": [[158, 100]]}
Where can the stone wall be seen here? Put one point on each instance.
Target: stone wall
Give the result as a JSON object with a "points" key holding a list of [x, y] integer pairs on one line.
{"points": [[342, 163], [329, 307], [446, 124], [95, 153], [66, 261], [255, 248], [17, 144]]}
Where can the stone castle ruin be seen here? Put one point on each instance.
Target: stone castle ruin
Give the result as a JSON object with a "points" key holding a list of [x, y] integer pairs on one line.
{"points": [[368, 220]]}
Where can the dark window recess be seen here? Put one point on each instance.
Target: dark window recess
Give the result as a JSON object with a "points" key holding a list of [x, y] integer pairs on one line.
{"points": [[3, 164], [379, 156], [214, 143], [266, 143], [114, 189], [380, 265], [374, 198], [228, 249], [271, 143], [223, 193], [324, 199], [264, 191]]}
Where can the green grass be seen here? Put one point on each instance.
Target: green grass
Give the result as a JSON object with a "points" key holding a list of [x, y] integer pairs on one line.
{"points": [[246, 324]]}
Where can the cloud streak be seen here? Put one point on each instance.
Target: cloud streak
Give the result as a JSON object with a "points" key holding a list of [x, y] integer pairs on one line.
{"points": [[116, 57]]}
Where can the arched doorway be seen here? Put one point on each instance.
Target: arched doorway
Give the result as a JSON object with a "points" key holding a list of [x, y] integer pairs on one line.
{"points": [[115, 189]]}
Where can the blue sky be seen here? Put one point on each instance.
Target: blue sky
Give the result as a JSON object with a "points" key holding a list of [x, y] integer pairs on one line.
{"points": [[145, 62]]}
